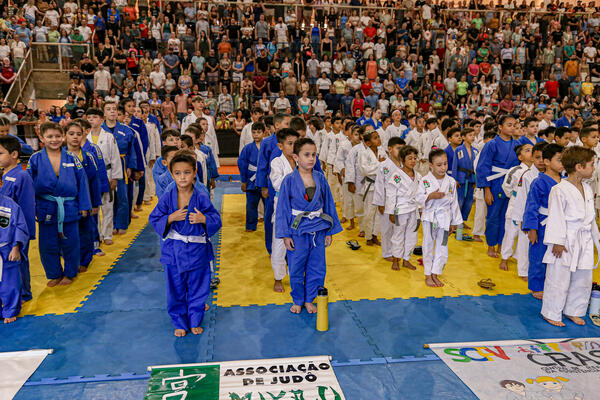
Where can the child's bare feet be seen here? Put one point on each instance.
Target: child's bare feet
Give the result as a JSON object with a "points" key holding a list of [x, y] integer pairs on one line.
{"points": [[504, 265], [65, 281], [435, 278], [477, 238], [465, 226], [134, 216], [53, 282], [361, 234], [429, 281], [395, 264], [491, 252], [555, 323], [180, 332], [261, 220], [538, 295], [310, 307], [250, 230], [343, 220], [121, 231], [296, 309], [82, 269], [351, 226], [408, 264], [206, 307], [147, 202], [197, 331], [100, 253], [115, 232], [278, 286], [138, 208], [524, 278], [10, 320], [577, 320], [370, 242], [376, 241], [420, 261], [108, 242]]}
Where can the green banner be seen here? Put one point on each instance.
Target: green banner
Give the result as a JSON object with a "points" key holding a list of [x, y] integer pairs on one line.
{"points": [[179, 383]]}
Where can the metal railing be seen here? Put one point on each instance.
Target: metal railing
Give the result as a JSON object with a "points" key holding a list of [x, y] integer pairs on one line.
{"points": [[23, 74], [58, 57]]}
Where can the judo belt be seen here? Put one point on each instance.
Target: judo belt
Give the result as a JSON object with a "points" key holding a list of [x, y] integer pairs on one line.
{"points": [[499, 173], [174, 235], [310, 215], [469, 172], [397, 220], [579, 242], [2, 261], [434, 225], [543, 211], [252, 168], [60, 209], [124, 169], [371, 182]]}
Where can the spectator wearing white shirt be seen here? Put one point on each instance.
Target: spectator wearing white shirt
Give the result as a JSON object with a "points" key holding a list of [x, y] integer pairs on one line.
{"points": [[158, 79], [102, 81]]}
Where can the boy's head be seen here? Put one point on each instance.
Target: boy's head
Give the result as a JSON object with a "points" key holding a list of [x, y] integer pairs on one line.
{"points": [[94, 116], [447, 124], [536, 155], [297, 124], [524, 153], [336, 123], [420, 123], [281, 120], [10, 147], [52, 135], [316, 124], [85, 125], [506, 125], [196, 133], [468, 135], [203, 124], [166, 153], [432, 123], [355, 135], [589, 137], [110, 110], [74, 135], [439, 162], [394, 146], [454, 136], [578, 160], [258, 131], [171, 137], [372, 139], [552, 155], [562, 136], [409, 156], [305, 153], [285, 141], [488, 135], [183, 168], [531, 126], [187, 143]]}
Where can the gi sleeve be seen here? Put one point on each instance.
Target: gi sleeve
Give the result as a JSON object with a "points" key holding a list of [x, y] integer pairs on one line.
{"points": [[364, 162], [160, 215], [508, 182], [324, 147], [131, 156], [284, 209], [454, 207], [21, 235], [349, 167], [454, 167], [116, 169], [421, 196], [139, 152], [262, 165], [156, 176], [213, 172], [83, 194], [484, 164], [277, 173], [25, 148], [94, 181], [242, 163], [332, 150], [329, 207], [380, 188], [520, 200], [213, 218], [531, 216], [556, 227]]}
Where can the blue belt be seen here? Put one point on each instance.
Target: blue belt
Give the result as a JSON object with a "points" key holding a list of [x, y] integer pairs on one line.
{"points": [[60, 209]]}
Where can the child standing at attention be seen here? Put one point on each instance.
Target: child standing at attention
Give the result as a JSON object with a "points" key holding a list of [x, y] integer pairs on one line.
{"points": [[570, 232], [368, 164], [463, 171], [454, 140], [441, 215], [61, 197], [535, 216], [306, 219], [18, 186], [247, 163], [185, 219]]}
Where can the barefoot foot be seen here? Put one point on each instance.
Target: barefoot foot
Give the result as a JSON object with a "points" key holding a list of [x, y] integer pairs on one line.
{"points": [[429, 281], [206, 307], [10, 320], [278, 286], [555, 323], [524, 278], [437, 281], [376, 241], [351, 226], [250, 230], [577, 320], [53, 282], [408, 264], [82, 269], [361, 234], [197, 331], [343, 220], [370, 242], [180, 332], [121, 231], [395, 265], [65, 281], [477, 238], [296, 309], [491, 252], [99, 253], [134, 216], [504, 265], [311, 308], [465, 226], [108, 242], [538, 295]]}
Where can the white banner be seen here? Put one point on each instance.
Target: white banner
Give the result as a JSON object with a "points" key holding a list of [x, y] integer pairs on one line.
{"points": [[16, 367], [558, 369], [310, 378]]}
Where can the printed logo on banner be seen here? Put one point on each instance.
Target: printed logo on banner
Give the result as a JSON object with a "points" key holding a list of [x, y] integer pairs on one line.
{"points": [[184, 383]]}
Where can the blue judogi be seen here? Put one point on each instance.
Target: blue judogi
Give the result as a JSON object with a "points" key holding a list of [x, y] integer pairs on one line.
{"points": [[139, 126], [96, 153], [211, 166], [307, 223], [464, 173], [126, 141], [534, 217], [526, 140], [186, 254], [247, 164], [163, 178], [58, 201], [13, 231], [269, 151], [562, 121], [26, 149], [450, 156], [154, 119], [88, 225], [18, 186], [496, 158]]}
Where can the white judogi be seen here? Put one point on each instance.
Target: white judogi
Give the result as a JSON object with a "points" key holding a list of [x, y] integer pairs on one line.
{"points": [[480, 206], [245, 136], [517, 215], [571, 223], [413, 138], [280, 167], [511, 227], [396, 192], [151, 155], [339, 167], [427, 141], [334, 184], [437, 216], [315, 136], [114, 170], [201, 158], [368, 165], [353, 175], [211, 135], [390, 132]]}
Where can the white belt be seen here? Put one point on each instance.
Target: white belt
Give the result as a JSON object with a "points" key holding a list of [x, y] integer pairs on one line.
{"points": [[186, 239], [576, 250], [251, 167], [543, 211], [311, 215], [499, 173]]}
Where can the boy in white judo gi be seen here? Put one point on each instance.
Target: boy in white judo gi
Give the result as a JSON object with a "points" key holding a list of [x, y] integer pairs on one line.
{"points": [[368, 165]]}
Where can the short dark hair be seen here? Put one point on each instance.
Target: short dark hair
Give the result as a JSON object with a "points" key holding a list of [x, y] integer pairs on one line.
{"points": [[94, 111], [298, 124], [502, 120], [258, 126], [316, 122], [489, 134], [11, 144], [301, 143], [551, 150], [183, 156], [539, 147], [187, 139], [164, 152], [519, 149], [452, 131], [406, 150], [466, 131], [561, 131], [395, 141], [285, 133], [48, 126], [576, 155], [436, 153], [585, 132], [529, 120], [169, 132], [280, 116], [196, 132]]}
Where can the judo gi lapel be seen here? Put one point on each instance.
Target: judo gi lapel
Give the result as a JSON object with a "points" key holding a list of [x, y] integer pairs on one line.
{"points": [[50, 178]]}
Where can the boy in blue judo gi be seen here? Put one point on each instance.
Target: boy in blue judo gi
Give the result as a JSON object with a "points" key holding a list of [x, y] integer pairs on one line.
{"points": [[13, 237], [536, 215], [185, 218], [464, 172], [139, 126], [87, 233], [126, 142], [61, 197], [306, 219], [247, 165], [199, 135], [495, 160], [17, 185], [454, 140]]}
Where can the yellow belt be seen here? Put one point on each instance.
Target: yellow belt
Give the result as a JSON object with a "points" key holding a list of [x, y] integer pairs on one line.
{"points": [[124, 169]]}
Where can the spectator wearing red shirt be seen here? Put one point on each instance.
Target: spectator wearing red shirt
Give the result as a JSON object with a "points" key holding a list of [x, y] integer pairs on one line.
{"points": [[366, 87], [370, 31], [552, 87], [7, 75], [260, 83]]}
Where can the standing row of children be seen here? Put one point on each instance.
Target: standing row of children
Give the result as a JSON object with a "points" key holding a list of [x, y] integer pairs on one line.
{"points": [[421, 174]]}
